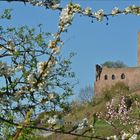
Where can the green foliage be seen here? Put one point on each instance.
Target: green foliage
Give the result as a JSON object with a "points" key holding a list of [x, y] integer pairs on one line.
{"points": [[35, 77], [116, 64], [102, 127], [6, 14], [30, 84], [27, 134], [118, 89], [107, 96]]}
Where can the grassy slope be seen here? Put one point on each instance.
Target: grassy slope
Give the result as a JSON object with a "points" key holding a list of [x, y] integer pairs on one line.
{"points": [[87, 111]]}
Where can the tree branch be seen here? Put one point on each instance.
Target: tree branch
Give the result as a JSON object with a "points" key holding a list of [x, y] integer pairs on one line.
{"points": [[53, 130]]}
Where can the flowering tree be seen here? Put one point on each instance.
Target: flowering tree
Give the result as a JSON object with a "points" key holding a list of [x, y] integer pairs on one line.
{"points": [[30, 85], [121, 115]]}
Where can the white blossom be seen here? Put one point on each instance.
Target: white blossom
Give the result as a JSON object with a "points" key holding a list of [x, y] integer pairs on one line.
{"points": [[127, 10], [85, 121], [80, 126], [51, 96], [36, 2], [115, 11], [32, 78], [50, 44], [66, 16], [91, 126], [19, 67], [40, 3], [83, 124], [108, 138], [133, 137], [52, 120], [112, 138], [125, 136], [20, 91], [52, 62], [76, 8], [55, 120], [115, 137], [33, 89], [87, 11], [55, 6], [42, 85], [11, 45], [44, 67], [40, 67], [56, 50], [137, 129], [99, 15], [5, 69]]}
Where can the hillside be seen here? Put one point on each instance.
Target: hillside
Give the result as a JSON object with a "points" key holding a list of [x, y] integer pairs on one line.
{"points": [[99, 104]]}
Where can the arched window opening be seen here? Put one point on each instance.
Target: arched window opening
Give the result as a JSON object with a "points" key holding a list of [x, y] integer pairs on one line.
{"points": [[122, 76], [105, 77], [113, 77]]}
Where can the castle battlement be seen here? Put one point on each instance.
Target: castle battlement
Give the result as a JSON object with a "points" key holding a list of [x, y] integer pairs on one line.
{"points": [[107, 77]]}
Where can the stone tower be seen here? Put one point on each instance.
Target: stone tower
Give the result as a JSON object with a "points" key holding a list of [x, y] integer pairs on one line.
{"points": [[138, 55]]}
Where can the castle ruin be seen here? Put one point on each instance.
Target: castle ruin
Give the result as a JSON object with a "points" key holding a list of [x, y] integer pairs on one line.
{"points": [[106, 77]]}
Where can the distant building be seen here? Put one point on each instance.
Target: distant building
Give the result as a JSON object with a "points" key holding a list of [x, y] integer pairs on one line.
{"points": [[106, 77]]}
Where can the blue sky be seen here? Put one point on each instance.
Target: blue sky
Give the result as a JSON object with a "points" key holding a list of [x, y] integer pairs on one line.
{"points": [[94, 42]]}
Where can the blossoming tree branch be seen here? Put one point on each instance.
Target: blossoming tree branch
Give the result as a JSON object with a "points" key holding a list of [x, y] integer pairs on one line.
{"points": [[34, 92]]}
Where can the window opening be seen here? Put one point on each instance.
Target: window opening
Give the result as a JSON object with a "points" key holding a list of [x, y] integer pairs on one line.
{"points": [[122, 76], [113, 77], [105, 77]]}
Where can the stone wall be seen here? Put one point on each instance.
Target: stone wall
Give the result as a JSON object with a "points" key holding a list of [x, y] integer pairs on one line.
{"points": [[138, 55], [110, 76]]}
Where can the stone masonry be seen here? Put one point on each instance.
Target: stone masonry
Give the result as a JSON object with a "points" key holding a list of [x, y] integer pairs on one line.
{"points": [[110, 76]]}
